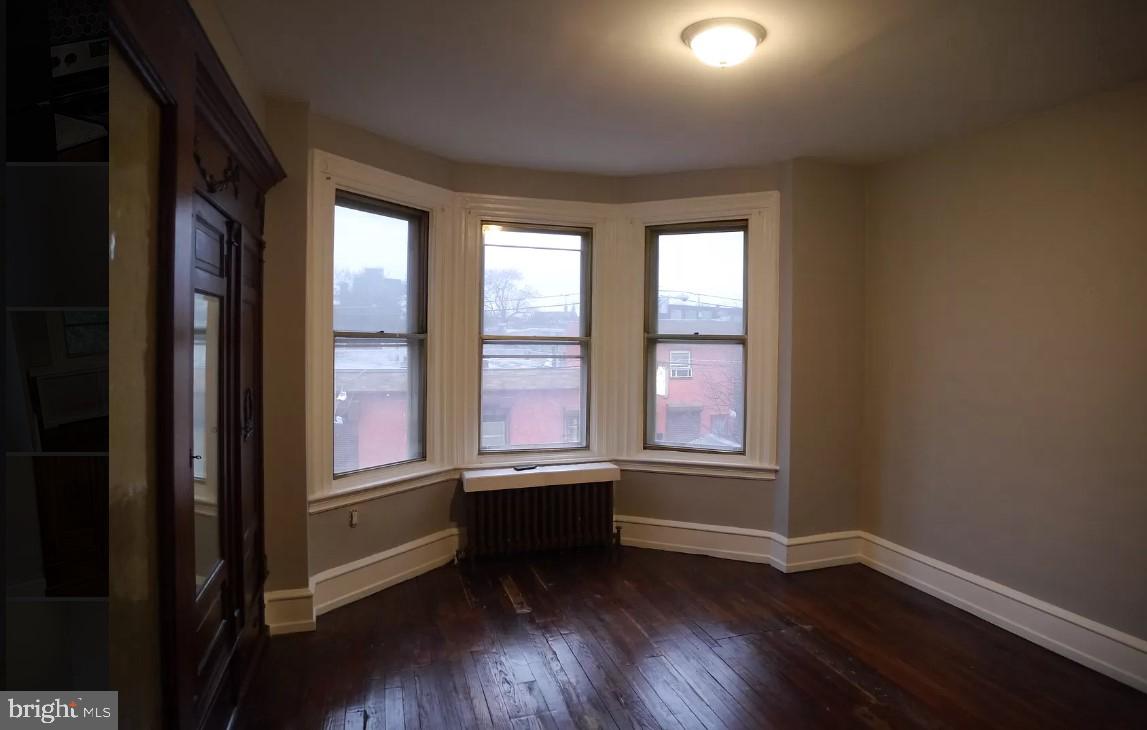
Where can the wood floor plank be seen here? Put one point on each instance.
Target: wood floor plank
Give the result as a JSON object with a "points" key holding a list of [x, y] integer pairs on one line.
{"points": [[499, 686], [641, 638], [685, 704], [409, 688], [733, 707], [560, 691], [394, 718], [641, 705], [468, 689]]}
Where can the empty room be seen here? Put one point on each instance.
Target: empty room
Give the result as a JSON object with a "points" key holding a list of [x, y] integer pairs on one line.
{"points": [[596, 364]]}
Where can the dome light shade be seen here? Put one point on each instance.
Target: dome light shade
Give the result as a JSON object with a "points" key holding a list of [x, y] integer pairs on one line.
{"points": [[723, 42]]}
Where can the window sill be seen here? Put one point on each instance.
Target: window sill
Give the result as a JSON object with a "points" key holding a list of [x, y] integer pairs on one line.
{"points": [[496, 460], [692, 466], [545, 475]]}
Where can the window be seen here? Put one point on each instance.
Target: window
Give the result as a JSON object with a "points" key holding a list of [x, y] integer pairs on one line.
{"points": [[695, 333], [494, 430], [379, 333], [571, 434], [535, 336], [680, 364]]}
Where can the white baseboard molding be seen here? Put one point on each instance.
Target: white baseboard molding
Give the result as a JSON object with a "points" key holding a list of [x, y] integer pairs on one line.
{"points": [[289, 611], [1102, 648], [741, 543], [346, 583]]}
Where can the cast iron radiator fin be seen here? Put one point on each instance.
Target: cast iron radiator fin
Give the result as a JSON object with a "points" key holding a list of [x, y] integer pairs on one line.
{"points": [[509, 521]]}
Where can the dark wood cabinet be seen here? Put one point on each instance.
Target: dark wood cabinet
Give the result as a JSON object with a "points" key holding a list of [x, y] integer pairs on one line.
{"points": [[215, 170]]}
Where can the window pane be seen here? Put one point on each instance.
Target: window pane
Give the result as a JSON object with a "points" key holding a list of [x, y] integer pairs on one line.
{"points": [[371, 269], [377, 396], [704, 409], [700, 283], [532, 396], [531, 282]]}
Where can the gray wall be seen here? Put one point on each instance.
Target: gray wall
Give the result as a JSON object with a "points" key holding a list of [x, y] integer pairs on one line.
{"points": [[284, 350], [825, 345], [707, 500], [383, 523], [1006, 366]]}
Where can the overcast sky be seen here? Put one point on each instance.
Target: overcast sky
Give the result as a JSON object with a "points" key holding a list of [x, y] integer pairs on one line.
{"points": [[707, 263]]}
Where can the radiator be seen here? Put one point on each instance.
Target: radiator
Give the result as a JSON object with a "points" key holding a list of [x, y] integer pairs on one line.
{"points": [[551, 517]]}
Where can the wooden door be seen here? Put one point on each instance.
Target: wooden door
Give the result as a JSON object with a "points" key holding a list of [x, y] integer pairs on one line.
{"points": [[248, 439], [215, 168], [215, 610]]}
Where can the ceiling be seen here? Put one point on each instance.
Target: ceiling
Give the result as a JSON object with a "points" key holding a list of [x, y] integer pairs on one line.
{"points": [[606, 86]]}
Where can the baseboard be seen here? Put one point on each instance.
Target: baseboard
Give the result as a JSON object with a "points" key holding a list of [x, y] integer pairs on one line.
{"points": [[741, 543], [289, 611], [346, 583], [1102, 648], [733, 543]]}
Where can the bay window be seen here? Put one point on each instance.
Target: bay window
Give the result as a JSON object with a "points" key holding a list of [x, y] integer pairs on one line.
{"points": [[450, 331]]}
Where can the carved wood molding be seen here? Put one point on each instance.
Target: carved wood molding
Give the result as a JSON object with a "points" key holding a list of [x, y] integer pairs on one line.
{"points": [[228, 179]]}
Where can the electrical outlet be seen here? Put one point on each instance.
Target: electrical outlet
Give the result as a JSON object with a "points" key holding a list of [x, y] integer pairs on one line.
{"points": [[354, 518]]}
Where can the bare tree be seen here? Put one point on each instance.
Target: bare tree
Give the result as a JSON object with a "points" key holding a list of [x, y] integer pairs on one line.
{"points": [[724, 385], [505, 296]]}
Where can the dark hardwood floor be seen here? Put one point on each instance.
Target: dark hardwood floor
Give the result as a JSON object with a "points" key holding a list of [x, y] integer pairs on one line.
{"points": [[661, 640]]}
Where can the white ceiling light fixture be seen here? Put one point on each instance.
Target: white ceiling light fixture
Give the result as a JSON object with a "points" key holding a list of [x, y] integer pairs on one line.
{"points": [[723, 42]]}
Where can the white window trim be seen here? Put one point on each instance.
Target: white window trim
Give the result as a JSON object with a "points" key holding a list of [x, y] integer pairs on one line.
{"points": [[475, 209], [762, 312], [330, 173], [453, 356]]}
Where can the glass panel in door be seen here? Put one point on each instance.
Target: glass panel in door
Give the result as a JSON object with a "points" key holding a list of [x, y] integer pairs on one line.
{"points": [[205, 438]]}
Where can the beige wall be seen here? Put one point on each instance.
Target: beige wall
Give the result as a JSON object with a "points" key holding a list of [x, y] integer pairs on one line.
{"points": [[1006, 366], [826, 346], [357, 144], [228, 51], [284, 351], [707, 500], [133, 585], [698, 183], [382, 524]]}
